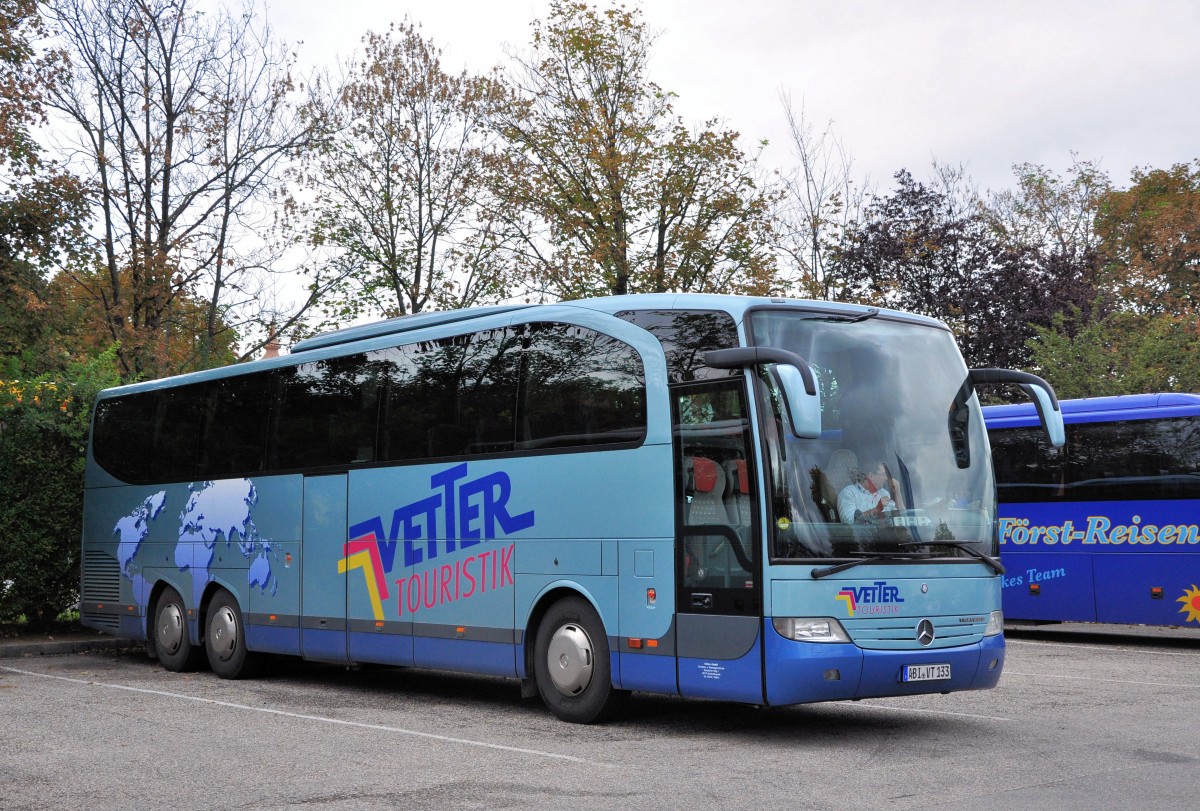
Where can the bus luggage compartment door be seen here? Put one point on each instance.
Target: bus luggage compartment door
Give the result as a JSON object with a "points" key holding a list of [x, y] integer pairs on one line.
{"points": [[1048, 586]]}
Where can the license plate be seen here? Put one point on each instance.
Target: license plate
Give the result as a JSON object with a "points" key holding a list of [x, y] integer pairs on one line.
{"points": [[925, 672]]}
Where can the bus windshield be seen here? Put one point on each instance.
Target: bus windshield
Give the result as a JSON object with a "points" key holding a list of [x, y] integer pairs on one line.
{"points": [[901, 467]]}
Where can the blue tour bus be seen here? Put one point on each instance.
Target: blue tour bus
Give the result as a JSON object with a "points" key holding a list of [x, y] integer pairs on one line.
{"points": [[593, 497], [1104, 529]]}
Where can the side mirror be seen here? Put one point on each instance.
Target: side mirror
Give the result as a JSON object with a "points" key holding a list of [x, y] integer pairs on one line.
{"points": [[1038, 390], [1048, 411], [800, 393], [804, 409]]}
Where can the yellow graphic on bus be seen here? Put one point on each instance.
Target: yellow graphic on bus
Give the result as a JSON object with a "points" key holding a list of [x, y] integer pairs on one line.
{"points": [[362, 560], [1191, 604]]}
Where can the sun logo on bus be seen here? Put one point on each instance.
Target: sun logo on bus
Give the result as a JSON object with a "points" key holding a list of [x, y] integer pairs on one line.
{"points": [[1191, 604]]}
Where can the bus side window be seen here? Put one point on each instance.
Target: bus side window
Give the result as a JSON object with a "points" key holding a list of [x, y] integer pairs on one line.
{"points": [[123, 439], [235, 434], [327, 414], [716, 491], [579, 387], [450, 397], [177, 431]]}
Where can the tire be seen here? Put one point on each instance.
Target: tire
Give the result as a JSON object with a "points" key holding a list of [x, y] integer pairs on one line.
{"points": [[171, 641], [571, 663], [225, 639]]}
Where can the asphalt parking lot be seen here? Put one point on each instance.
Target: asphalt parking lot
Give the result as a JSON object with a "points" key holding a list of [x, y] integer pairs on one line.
{"points": [[1078, 722]]}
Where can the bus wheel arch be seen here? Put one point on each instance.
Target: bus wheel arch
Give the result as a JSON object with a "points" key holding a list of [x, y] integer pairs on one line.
{"points": [[569, 658], [169, 633], [156, 591], [224, 634]]}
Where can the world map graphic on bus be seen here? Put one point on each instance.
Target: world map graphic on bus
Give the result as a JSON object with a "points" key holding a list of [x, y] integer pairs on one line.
{"points": [[131, 531], [215, 512]]}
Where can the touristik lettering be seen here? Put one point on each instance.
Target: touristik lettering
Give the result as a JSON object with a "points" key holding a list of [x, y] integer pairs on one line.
{"points": [[477, 574]]}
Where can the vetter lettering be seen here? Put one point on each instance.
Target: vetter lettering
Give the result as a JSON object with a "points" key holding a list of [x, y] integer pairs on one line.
{"points": [[459, 514]]}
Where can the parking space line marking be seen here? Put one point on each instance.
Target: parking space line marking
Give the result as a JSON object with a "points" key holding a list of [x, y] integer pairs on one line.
{"points": [[1098, 647], [303, 717], [1093, 678]]}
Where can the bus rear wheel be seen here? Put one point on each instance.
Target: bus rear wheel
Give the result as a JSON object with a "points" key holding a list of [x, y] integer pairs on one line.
{"points": [[171, 642], [225, 639], [572, 666]]}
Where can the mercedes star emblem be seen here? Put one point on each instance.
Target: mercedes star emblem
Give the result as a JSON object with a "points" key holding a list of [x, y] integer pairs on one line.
{"points": [[925, 633]]}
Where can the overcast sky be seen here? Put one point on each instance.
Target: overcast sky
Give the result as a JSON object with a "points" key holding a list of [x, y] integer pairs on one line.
{"points": [[988, 83]]}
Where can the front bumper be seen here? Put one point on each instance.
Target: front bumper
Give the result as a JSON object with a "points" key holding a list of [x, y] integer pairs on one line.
{"points": [[802, 672]]}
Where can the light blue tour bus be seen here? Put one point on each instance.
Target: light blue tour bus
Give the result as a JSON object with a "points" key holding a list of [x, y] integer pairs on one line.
{"points": [[748, 499]]}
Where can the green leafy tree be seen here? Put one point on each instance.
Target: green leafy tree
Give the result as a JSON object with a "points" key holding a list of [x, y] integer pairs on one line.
{"points": [[43, 436], [41, 205], [399, 188], [1150, 241], [1053, 212], [609, 191], [1054, 216], [932, 249], [1142, 332], [1117, 353]]}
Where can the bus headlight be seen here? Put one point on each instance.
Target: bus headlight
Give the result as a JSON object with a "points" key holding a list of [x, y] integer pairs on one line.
{"points": [[995, 624], [810, 629]]}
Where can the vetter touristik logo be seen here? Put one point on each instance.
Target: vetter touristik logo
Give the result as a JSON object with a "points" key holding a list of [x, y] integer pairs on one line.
{"points": [[874, 600], [468, 511]]}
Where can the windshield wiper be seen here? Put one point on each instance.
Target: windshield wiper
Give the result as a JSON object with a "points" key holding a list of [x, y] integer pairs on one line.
{"points": [[849, 319], [870, 313], [996, 565], [817, 574]]}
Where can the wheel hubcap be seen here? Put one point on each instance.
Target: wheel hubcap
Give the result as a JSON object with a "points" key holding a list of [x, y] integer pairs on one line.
{"points": [[222, 633], [170, 628], [570, 659]]}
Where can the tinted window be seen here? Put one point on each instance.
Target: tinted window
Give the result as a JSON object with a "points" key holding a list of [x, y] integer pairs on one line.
{"points": [[235, 436], [327, 414], [179, 421], [686, 335], [1101, 461], [123, 436], [487, 393], [203, 431], [450, 397], [579, 387]]}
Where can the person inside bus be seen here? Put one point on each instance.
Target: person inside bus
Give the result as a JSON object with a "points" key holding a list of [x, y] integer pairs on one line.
{"points": [[866, 500]]}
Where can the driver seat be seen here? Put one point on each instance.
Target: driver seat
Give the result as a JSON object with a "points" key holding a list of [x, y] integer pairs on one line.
{"points": [[841, 470]]}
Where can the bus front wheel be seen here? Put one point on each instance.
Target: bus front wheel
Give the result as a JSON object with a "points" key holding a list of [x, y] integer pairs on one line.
{"points": [[175, 649], [225, 639], [571, 663]]}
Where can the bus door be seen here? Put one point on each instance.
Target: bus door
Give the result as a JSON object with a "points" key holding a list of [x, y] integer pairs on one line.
{"points": [[719, 599], [325, 569]]}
